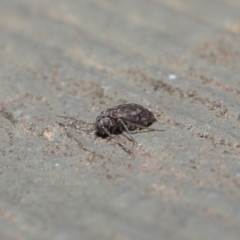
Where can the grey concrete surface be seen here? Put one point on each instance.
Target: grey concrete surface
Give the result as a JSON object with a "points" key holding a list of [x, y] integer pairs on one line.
{"points": [[181, 58]]}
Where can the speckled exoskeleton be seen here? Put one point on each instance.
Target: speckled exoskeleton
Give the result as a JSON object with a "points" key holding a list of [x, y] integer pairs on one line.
{"points": [[124, 117]]}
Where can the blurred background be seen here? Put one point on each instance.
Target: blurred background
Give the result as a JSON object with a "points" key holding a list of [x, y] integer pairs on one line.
{"points": [[180, 58]]}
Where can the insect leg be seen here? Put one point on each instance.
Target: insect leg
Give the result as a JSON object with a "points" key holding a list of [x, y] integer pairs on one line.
{"points": [[148, 129], [116, 126], [118, 142], [126, 129], [120, 125]]}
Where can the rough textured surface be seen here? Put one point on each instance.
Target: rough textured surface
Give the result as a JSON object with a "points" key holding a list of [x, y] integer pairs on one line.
{"points": [[180, 58]]}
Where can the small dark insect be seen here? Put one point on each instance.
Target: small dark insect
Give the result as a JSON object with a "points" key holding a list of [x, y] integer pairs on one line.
{"points": [[124, 117]]}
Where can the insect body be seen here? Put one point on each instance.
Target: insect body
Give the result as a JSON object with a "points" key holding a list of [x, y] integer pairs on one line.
{"points": [[126, 117]]}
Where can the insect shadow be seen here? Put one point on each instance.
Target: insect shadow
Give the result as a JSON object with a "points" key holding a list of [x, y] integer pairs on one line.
{"points": [[128, 118]]}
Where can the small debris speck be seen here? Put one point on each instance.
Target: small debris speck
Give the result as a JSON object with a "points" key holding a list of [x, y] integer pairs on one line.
{"points": [[172, 76]]}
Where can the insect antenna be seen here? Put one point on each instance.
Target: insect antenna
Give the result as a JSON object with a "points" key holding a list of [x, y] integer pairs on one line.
{"points": [[73, 124], [74, 119]]}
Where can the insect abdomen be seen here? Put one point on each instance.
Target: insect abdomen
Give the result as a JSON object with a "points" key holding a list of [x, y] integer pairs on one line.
{"points": [[132, 113]]}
